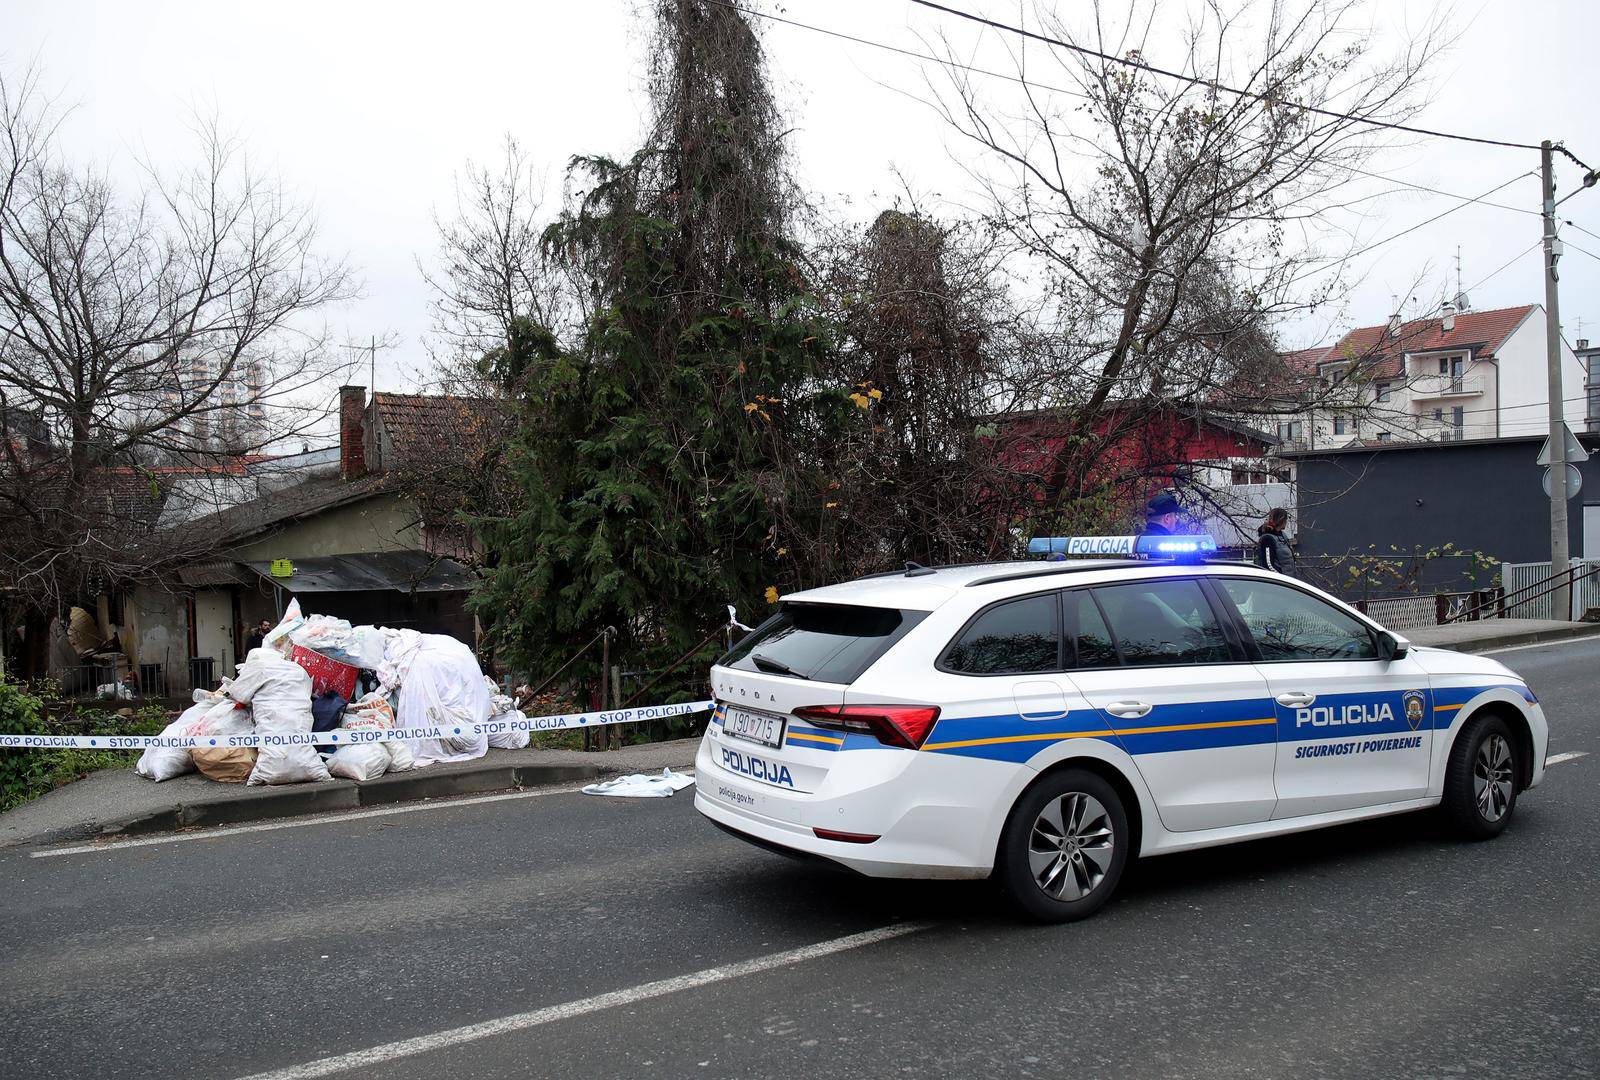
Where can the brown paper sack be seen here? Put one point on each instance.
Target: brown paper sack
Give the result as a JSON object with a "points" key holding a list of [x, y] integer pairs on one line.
{"points": [[229, 764]]}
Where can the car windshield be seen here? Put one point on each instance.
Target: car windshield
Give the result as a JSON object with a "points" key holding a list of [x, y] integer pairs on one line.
{"points": [[831, 643]]}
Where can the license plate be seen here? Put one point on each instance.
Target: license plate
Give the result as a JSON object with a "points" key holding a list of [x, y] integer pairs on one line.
{"points": [[760, 728]]}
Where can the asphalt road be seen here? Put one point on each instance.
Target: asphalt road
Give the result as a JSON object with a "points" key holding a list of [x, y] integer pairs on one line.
{"points": [[1382, 949]]}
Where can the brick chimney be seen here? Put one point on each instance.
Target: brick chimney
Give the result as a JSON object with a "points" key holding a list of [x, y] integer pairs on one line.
{"points": [[352, 432]]}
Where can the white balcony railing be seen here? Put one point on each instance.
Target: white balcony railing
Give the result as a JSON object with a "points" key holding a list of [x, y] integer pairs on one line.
{"points": [[1434, 386]]}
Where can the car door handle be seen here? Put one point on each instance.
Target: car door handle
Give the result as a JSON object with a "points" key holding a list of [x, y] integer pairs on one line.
{"points": [[1295, 699], [1130, 710]]}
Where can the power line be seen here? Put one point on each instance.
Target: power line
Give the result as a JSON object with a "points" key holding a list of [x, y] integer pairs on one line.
{"points": [[1252, 94], [949, 63], [842, 36], [1446, 194]]}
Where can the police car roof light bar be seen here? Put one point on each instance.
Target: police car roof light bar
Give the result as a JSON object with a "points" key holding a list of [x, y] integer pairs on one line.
{"points": [[1189, 547]]}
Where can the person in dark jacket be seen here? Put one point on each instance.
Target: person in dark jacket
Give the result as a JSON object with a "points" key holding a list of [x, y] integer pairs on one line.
{"points": [[1272, 550], [1161, 515], [257, 636]]}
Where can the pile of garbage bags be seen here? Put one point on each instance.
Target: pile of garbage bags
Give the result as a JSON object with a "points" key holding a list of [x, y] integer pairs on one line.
{"points": [[317, 673]]}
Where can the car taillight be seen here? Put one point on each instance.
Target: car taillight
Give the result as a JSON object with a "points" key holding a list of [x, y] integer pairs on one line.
{"points": [[892, 725]]}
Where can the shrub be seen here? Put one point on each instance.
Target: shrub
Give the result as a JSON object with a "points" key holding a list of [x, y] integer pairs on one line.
{"points": [[27, 774]]}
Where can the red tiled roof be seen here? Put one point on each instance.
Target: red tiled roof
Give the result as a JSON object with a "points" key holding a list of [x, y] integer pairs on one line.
{"points": [[1304, 361], [424, 430], [1371, 347]]}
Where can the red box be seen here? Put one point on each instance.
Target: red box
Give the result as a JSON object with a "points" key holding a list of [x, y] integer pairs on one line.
{"points": [[327, 673]]}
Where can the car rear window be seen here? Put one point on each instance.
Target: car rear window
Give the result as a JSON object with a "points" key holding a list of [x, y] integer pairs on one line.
{"points": [[831, 643]]}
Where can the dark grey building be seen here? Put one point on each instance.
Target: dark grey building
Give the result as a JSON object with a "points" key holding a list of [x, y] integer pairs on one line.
{"points": [[1480, 495]]}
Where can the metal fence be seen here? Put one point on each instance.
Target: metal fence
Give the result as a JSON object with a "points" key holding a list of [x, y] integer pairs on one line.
{"points": [[1585, 594], [1402, 612]]}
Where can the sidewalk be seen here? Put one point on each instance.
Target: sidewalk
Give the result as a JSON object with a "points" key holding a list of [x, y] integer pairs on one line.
{"points": [[1499, 633], [116, 802]]}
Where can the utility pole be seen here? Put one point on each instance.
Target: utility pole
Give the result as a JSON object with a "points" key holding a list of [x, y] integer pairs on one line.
{"points": [[1560, 557]]}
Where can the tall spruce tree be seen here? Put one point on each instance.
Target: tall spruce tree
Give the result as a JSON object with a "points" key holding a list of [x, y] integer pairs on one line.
{"points": [[650, 459]]}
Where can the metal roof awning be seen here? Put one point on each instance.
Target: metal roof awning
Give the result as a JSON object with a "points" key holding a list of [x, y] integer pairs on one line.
{"points": [[213, 573], [384, 571]]}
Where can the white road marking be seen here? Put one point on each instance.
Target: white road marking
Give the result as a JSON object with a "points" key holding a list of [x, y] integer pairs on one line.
{"points": [[440, 1040], [1579, 640], [1570, 755], [310, 819]]}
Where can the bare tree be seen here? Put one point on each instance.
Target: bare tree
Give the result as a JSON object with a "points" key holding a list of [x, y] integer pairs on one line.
{"points": [[494, 269], [1173, 219], [140, 332]]}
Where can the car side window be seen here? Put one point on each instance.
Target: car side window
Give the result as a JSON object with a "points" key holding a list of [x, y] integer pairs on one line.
{"points": [[1093, 647], [1163, 622], [1013, 637], [1288, 624]]}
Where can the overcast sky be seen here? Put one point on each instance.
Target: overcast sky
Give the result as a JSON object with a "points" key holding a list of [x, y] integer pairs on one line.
{"points": [[368, 110]]}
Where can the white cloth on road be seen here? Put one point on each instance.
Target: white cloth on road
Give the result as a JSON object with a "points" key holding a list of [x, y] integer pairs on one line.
{"points": [[642, 786]]}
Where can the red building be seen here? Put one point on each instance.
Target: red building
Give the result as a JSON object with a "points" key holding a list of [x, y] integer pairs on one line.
{"points": [[1124, 454]]}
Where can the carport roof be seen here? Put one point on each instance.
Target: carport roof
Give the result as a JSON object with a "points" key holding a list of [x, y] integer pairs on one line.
{"points": [[383, 571]]}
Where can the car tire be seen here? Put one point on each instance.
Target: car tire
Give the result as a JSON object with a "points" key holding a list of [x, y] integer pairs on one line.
{"points": [[1064, 847], [1480, 780]]}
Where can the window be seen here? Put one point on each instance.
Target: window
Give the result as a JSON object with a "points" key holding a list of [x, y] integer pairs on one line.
{"points": [[1438, 414], [1340, 425], [1289, 430], [1288, 624], [1444, 366], [1163, 622], [1009, 638], [1086, 627], [1384, 389], [1383, 436], [1458, 418], [832, 643]]}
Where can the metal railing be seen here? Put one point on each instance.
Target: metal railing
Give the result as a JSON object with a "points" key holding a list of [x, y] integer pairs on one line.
{"points": [[1531, 594]]}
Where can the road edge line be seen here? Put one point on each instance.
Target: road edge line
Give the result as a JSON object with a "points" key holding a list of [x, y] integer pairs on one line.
{"points": [[386, 1052]]}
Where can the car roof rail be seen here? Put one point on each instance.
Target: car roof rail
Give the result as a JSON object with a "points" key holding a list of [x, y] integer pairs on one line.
{"points": [[1048, 569]]}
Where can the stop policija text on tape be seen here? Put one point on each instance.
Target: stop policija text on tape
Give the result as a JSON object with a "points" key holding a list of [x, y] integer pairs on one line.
{"points": [[344, 737]]}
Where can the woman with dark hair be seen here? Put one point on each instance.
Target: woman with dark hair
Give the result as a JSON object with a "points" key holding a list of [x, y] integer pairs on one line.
{"points": [[1272, 550]]}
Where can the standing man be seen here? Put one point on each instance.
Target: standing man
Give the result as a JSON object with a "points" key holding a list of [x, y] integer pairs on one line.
{"points": [[258, 636], [1161, 515]]}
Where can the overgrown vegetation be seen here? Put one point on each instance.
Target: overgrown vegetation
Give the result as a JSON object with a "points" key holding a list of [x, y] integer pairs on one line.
{"points": [[27, 774]]}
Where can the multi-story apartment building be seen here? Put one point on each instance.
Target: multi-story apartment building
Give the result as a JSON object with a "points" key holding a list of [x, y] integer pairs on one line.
{"points": [[1463, 375], [1589, 357]]}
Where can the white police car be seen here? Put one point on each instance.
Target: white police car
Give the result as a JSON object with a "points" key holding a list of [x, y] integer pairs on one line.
{"points": [[1044, 722]]}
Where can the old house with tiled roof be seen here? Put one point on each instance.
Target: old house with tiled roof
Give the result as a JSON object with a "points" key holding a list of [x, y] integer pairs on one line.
{"points": [[1457, 375], [369, 534]]}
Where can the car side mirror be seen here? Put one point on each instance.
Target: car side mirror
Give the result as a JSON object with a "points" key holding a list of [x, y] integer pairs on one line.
{"points": [[1392, 646]]}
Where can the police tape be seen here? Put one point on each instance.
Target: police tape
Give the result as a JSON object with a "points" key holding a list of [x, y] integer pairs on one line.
{"points": [[347, 737]]}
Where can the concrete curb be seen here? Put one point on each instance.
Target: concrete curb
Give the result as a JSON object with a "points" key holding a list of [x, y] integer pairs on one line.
{"points": [[241, 806], [1507, 638]]}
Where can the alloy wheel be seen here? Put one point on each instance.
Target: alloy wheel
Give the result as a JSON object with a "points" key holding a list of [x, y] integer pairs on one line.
{"points": [[1070, 846], [1492, 782]]}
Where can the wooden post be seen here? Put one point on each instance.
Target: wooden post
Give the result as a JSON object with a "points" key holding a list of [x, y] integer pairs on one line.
{"points": [[616, 702]]}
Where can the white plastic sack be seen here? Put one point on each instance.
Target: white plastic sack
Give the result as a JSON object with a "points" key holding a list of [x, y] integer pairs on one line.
{"points": [[503, 709], [640, 786], [223, 716], [441, 685], [278, 637], [160, 763], [400, 648], [278, 692], [374, 711], [359, 761]]}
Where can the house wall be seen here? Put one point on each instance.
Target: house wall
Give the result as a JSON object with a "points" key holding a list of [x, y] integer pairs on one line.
{"points": [[1523, 381], [157, 632], [1478, 496], [381, 523]]}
